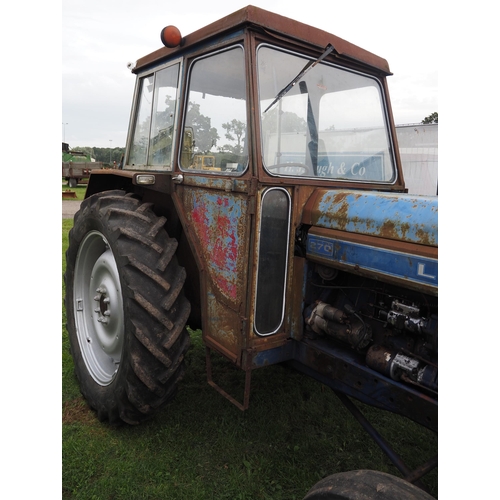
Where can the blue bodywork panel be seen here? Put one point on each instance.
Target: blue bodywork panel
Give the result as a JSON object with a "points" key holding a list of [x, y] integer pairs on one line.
{"points": [[381, 261], [396, 216], [391, 237]]}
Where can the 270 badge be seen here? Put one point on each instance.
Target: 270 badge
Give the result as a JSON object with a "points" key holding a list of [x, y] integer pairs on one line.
{"points": [[319, 246]]}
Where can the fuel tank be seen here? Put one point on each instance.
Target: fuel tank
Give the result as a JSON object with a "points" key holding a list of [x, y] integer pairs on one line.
{"points": [[391, 237]]}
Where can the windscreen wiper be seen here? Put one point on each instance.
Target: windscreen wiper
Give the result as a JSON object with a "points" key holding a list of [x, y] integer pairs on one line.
{"points": [[306, 68]]}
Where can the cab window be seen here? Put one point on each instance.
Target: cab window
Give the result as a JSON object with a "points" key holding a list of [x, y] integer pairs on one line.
{"points": [[330, 124], [214, 138], [153, 133]]}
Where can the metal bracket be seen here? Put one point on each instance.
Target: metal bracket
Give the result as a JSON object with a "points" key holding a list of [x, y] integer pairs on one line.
{"points": [[248, 377], [410, 476]]}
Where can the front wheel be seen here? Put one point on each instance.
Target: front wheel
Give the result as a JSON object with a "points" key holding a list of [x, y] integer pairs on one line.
{"points": [[365, 485], [125, 307]]}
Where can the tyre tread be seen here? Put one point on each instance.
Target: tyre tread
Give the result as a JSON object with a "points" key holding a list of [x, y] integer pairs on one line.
{"points": [[157, 310]]}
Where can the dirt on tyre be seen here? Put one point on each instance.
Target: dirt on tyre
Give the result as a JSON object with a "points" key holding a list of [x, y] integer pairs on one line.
{"points": [[365, 485], [126, 310]]}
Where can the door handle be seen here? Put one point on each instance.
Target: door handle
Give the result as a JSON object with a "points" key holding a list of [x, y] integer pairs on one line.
{"points": [[178, 178]]}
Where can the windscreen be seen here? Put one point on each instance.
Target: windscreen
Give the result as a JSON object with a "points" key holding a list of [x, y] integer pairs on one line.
{"points": [[331, 123]]}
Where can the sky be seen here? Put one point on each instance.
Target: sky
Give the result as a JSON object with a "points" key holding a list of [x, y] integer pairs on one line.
{"points": [[99, 38]]}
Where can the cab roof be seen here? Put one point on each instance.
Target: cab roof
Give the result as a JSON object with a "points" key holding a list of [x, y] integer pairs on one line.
{"points": [[275, 24]]}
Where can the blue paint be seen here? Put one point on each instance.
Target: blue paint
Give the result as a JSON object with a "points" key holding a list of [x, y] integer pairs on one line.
{"points": [[405, 217], [273, 356], [238, 185], [410, 267], [216, 219]]}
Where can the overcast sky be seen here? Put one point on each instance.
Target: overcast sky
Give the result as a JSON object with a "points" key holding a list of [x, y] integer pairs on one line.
{"points": [[99, 38]]}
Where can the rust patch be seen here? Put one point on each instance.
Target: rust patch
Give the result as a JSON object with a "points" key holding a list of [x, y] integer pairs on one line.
{"points": [[342, 209], [423, 236], [388, 230], [405, 229]]}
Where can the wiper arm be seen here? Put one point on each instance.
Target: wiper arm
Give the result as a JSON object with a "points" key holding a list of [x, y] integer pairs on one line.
{"points": [[306, 68]]}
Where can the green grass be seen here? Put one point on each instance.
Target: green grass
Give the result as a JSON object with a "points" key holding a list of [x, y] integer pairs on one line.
{"points": [[202, 447], [79, 190]]}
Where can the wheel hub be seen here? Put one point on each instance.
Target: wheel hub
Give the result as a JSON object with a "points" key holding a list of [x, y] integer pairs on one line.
{"points": [[103, 301], [99, 308]]}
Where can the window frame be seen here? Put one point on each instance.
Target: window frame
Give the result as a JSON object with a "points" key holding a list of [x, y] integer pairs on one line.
{"points": [[136, 108], [385, 115], [186, 93], [258, 261]]}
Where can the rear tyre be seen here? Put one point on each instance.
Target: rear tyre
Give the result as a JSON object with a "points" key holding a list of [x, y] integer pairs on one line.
{"points": [[365, 485], [126, 310]]}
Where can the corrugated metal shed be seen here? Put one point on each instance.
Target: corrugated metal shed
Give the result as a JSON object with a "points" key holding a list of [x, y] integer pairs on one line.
{"points": [[418, 147]]}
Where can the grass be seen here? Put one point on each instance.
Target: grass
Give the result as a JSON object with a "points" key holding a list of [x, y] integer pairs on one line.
{"points": [[202, 447], [79, 190]]}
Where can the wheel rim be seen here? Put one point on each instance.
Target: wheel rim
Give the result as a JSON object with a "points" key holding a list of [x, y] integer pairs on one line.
{"points": [[98, 308]]}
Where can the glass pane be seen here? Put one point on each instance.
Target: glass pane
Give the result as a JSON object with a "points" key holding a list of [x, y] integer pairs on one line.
{"points": [[215, 129], [162, 128], [138, 149], [273, 252], [331, 124]]}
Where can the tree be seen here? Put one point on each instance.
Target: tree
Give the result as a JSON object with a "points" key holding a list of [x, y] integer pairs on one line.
{"points": [[289, 122], [204, 134], [237, 128], [432, 118], [102, 154]]}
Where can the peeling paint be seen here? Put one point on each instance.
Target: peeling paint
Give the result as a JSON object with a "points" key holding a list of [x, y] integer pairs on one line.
{"points": [[218, 220], [387, 215]]}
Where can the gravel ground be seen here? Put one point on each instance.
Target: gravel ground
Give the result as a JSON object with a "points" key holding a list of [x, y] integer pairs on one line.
{"points": [[69, 208]]}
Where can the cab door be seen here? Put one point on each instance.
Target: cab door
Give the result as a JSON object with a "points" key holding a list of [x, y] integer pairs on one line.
{"points": [[214, 192]]}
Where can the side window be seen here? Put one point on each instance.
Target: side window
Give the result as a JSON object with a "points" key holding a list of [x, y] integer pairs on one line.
{"points": [[139, 144], [152, 139], [215, 127], [162, 123], [273, 261]]}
